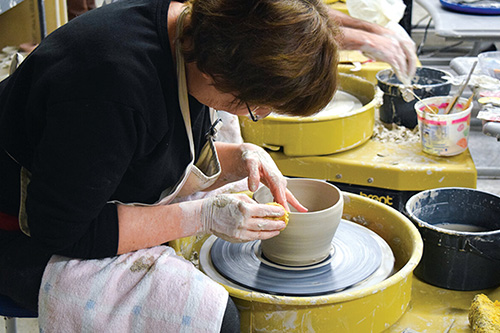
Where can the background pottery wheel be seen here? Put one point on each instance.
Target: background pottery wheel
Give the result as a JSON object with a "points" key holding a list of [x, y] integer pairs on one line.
{"points": [[356, 255], [311, 136]]}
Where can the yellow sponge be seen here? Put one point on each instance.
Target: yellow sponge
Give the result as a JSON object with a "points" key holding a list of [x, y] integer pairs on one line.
{"points": [[284, 218], [484, 315]]}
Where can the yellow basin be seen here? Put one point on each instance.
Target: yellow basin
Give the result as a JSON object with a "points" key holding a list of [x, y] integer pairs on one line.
{"points": [[370, 309], [356, 63], [311, 136]]}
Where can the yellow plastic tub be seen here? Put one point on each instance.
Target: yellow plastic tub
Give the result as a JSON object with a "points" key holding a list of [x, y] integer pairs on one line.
{"points": [[312, 136], [356, 63], [370, 309]]}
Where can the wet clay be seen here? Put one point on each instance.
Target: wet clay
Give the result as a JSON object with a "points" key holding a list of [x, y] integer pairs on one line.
{"points": [[341, 105], [307, 238], [142, 263]]}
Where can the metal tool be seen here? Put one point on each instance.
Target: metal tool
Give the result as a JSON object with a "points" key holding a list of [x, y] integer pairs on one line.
{"points": [[460, 90]]}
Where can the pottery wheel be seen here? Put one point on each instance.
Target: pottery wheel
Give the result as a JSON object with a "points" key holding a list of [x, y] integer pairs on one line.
{"points": [[356, 255]]}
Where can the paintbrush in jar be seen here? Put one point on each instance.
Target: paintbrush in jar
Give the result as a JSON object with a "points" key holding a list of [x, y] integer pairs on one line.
{"points": [[460, 90], [427, 107]]}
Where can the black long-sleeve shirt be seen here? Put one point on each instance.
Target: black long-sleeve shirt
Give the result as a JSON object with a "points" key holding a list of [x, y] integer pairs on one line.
{"points": [[93, 114]]}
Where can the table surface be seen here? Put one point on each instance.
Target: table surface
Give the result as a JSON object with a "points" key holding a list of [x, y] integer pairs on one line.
{"points": [[434, 309], [455, 25]]}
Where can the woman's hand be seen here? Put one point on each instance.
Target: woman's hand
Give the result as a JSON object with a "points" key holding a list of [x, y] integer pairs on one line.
{"points": [[233, 217], [262, 169], [248, 160], [237, 218]]}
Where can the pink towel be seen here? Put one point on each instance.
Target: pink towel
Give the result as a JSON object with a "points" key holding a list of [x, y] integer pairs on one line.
{"points": [[151, 290]]}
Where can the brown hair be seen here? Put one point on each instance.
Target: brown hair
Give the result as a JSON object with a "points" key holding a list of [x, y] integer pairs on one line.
{"points": [[276, 53]]}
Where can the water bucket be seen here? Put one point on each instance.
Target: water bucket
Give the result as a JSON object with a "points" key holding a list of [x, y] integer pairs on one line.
{"points": [[443, 134], [460, 228], [427, 82]]}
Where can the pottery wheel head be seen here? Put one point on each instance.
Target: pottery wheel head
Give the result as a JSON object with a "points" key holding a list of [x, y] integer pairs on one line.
{"points": [[357, 254]]}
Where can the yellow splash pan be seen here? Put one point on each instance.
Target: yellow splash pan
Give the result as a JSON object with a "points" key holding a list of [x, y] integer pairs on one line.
{"points": [[312, 136], [371, 309], [356, 63]]}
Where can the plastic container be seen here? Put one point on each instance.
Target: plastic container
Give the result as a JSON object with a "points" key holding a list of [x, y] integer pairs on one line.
{"points": [[443, 134], [460, 228], [490, 63], [427, 82]]}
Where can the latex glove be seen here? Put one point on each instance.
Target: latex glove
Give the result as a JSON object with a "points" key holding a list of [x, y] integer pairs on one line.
{"points": [[395, 47], [262, 169], [237, 218], [409, 49]]}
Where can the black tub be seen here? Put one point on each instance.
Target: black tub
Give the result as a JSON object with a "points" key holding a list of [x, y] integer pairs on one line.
{"points": [[460, 228], [428, 82]]}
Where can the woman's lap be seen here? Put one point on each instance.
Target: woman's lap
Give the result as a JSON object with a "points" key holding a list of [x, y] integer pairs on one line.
{"points": [[22, 265]]}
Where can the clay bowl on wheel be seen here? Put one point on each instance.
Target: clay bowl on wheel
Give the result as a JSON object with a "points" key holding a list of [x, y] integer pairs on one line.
{"points": [[308, 237]]}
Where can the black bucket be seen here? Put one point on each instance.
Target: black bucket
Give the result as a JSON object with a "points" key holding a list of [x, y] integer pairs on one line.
{"points": [[427, 82], [460, 228]]}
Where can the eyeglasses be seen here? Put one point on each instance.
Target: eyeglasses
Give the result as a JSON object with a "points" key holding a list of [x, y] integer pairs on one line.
{"points": [[253, 116]]}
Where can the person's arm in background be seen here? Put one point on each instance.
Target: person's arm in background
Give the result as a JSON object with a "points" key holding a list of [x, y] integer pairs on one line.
{"points": [[379, 43]]}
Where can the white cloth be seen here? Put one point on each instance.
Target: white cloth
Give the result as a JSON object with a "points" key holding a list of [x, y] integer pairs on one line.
{"points": [[380, 12], [151, 290], [230, 130]]}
